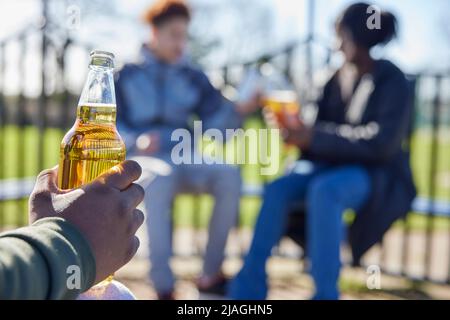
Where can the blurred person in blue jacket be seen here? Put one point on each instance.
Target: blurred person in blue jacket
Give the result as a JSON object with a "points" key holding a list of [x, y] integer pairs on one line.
{"points": [[161, 93], [353, 157]]}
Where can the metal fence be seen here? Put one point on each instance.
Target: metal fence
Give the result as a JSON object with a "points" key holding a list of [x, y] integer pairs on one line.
{"points": [[419, 247]]}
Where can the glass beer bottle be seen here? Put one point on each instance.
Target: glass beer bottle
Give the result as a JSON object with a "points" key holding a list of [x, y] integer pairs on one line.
{"points": [[93, 144]]}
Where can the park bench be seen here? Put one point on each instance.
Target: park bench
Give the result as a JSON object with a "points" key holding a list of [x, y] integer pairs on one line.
{"points": [[16, 189]]}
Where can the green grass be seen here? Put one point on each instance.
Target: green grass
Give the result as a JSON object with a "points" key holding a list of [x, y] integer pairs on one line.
{"points": [[25, 140], [420, 162]]}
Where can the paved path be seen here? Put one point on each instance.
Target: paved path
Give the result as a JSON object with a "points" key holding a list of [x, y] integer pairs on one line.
{"points": [[287, 281]]}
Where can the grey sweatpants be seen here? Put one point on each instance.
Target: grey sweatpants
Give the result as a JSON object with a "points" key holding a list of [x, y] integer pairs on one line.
{"points": [[164, 181]]}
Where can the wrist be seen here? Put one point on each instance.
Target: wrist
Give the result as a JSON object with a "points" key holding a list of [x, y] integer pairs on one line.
{"points": [[241, 108], [308, 137]]}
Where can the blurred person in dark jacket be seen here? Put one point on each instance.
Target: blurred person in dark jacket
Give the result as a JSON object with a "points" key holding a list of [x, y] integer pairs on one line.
{"points": [[352, 158]]}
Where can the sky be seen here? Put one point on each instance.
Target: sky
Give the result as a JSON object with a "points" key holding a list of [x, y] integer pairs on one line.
{"points": [[422, 44]]}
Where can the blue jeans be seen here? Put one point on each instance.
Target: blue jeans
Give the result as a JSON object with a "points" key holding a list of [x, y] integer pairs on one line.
{"points": [[327, 192]]}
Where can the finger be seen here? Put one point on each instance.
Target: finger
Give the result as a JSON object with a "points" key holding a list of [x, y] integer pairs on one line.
{"points": [[136, 221], [271, 119], [133, 195], [133, 248], [122, 175], [47, 181], [268, 113]]}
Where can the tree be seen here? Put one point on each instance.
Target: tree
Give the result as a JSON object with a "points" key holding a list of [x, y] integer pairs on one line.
{"points": [[237, 30]]}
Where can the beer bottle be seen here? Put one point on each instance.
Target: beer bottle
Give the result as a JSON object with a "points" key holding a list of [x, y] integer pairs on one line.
{"points": [[93, 144]]}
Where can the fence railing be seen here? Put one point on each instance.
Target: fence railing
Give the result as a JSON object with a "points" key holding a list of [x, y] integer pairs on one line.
{"points": [[31, 128]]}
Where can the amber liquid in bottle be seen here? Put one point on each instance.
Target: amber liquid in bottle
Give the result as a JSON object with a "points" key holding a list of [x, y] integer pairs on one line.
{"points": [[91, 147]]}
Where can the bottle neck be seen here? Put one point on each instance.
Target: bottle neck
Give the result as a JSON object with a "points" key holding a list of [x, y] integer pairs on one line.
{"points": [[97, 102], [96, 113]]}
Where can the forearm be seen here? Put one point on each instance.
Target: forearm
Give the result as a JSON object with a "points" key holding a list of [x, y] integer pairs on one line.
{"points": [[41, 262], [224, 117], [370, 144]]}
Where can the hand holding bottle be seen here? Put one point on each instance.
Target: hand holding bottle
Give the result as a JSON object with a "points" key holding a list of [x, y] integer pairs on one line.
{"points": [[104, 211]]}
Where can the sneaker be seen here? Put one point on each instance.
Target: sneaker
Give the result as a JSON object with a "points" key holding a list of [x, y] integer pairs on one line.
{"points": [[216, 286]]}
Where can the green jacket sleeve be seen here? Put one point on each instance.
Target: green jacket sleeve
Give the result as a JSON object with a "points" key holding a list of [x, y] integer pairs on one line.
{"points": [[47, 260]]}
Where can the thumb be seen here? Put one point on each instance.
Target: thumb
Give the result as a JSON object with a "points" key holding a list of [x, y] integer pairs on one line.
{"points": [[47, 181], [40, 202]]}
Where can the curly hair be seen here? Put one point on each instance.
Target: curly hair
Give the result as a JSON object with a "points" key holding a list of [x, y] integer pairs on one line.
{"points": [[164, 10]]}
